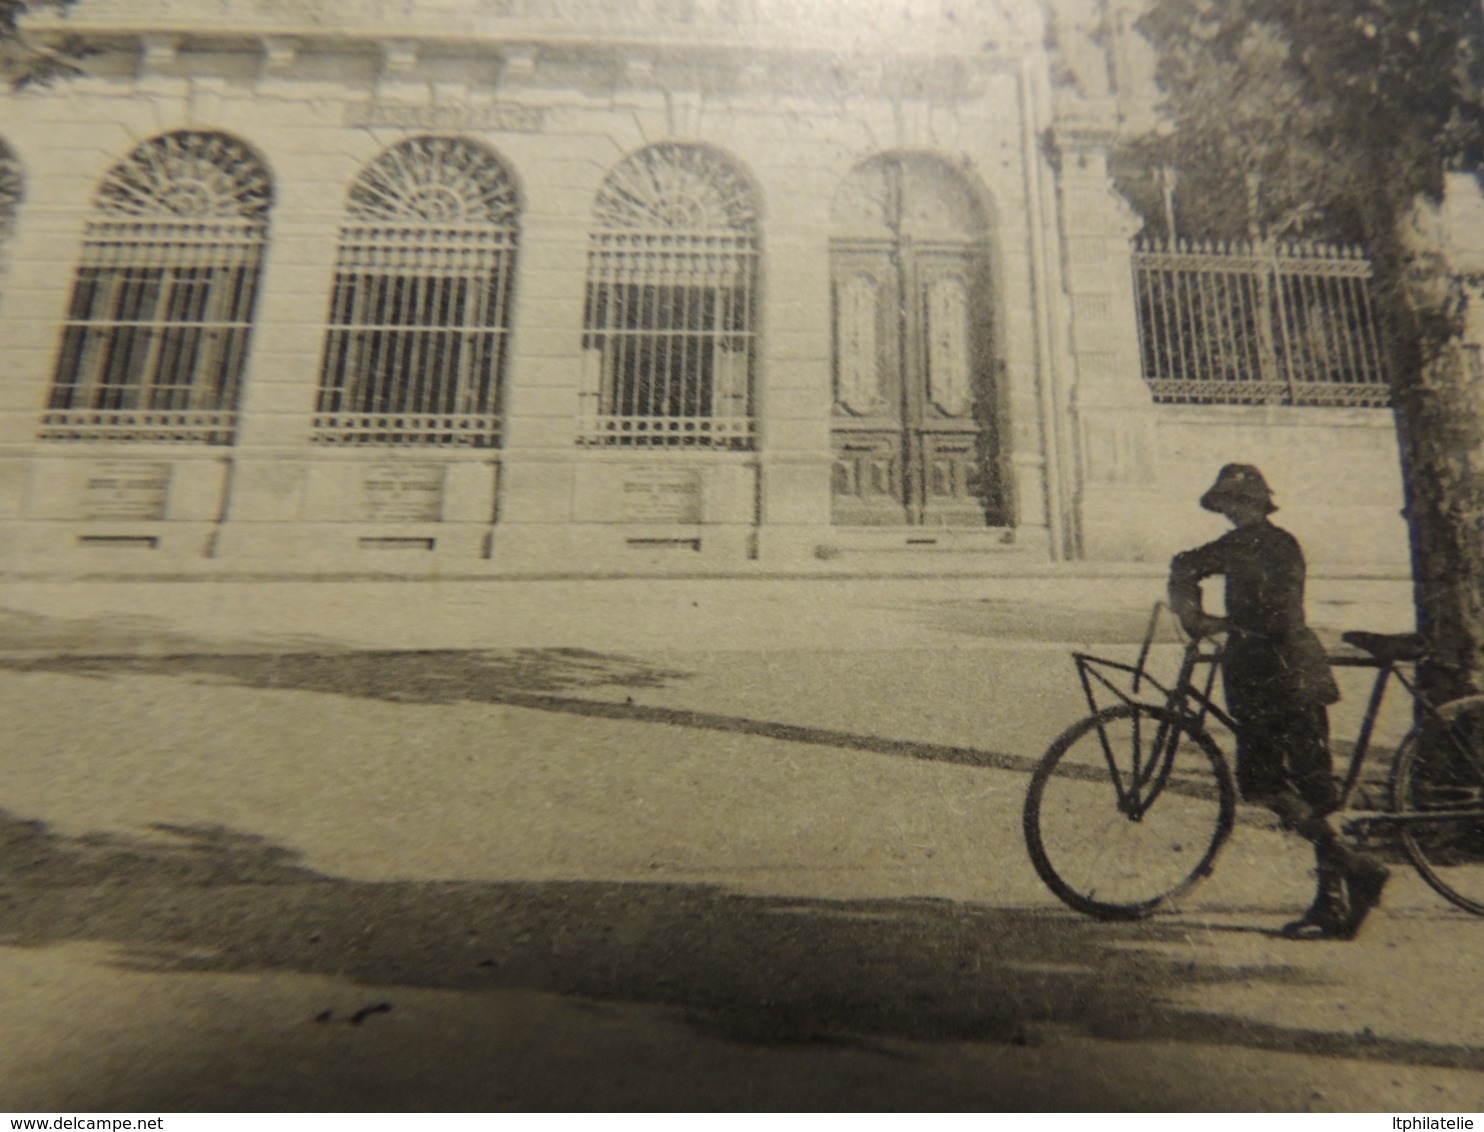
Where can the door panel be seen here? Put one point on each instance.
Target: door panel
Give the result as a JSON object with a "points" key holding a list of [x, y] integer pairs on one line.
{"points": [[868, 478], [955, 374], [913, 418], [867, 435]]}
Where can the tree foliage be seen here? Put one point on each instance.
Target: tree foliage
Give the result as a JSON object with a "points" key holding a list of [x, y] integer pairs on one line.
{"points": [[1347, 111], [26, 60], [1249, 150]]}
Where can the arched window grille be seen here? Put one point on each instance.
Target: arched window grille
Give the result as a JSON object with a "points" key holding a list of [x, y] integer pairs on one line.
{"points": [[420, 315], [12, 185], [671, 310], [157, 333]]}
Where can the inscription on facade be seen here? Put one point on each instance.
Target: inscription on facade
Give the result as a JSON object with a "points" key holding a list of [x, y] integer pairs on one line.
{"points": [[660, 495], [126, 490], [507, 116], [403, 493]]}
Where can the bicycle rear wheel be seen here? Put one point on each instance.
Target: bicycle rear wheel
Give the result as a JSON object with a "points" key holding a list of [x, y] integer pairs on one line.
{"points": [[1437, 789], [1114, 830]]}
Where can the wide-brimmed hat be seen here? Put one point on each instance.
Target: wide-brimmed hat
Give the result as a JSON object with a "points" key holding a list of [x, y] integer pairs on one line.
{"points": [[1241, 483]]}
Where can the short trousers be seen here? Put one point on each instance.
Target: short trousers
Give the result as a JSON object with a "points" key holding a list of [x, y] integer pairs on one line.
{"points": [[1281, 751]]}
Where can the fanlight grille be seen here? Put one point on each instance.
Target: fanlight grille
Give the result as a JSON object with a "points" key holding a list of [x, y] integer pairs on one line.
{"points": [[435, 180], [188, 175]]}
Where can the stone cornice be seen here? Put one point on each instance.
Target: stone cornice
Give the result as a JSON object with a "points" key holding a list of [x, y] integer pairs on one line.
{"points": [[920, 27], [513, 64]]}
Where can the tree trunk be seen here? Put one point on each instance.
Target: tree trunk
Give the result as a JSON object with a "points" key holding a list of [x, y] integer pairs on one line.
{"points": [[1439, 406]]}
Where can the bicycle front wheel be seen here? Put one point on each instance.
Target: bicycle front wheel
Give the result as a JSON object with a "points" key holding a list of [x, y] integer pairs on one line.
{"points": [[1437, 791], [1127, 811]]}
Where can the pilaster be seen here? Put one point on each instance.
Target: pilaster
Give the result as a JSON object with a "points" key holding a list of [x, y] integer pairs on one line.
{"points": [[1112, 411]]}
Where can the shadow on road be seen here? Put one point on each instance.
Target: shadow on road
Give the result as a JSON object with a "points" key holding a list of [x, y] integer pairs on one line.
{"points": [[744, 969], [430, 676], [119, 634], [538, 679]]}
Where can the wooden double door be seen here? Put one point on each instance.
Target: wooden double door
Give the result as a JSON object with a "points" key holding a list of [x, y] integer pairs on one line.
{"points": [[914, 427]]}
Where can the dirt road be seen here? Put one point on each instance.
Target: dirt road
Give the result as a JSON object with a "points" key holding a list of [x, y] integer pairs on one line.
{"points": [[722, 866]]}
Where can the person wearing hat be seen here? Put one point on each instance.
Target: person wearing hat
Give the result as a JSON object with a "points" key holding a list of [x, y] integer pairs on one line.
{"points": [[1278, 688]]}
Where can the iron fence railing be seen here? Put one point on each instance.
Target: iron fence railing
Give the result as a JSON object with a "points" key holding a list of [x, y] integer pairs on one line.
{"points": [[1242, 323]]}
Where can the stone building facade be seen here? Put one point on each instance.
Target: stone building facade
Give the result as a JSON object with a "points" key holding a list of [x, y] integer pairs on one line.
{"points": [[506, 286]]}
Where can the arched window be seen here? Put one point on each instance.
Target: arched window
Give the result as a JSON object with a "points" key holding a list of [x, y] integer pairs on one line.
{"points": [[670, 319], [12, 185], [157, 333], [420, 314]]}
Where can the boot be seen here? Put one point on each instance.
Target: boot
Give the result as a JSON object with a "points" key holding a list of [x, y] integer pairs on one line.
{"points": [[1327, 916], [1365, 877]]}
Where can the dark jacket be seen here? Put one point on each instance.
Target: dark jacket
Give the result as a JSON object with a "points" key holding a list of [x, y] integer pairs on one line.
{"points": [[1273, 662]]}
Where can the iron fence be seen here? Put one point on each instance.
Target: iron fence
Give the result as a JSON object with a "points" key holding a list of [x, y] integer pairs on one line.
{"points": [[1236, 323]]}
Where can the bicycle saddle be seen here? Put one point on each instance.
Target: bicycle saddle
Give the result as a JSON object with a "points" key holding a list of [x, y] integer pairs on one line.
{"points": [[1388, 648]]}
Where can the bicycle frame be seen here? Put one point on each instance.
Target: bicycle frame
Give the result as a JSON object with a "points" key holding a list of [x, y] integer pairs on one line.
{"points": [[1441, 716], [1148, 776], [1189, 703], [1385, 671]]}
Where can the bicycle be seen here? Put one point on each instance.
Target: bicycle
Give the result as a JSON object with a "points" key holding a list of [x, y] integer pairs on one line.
{"points": [[1129, 808]]}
